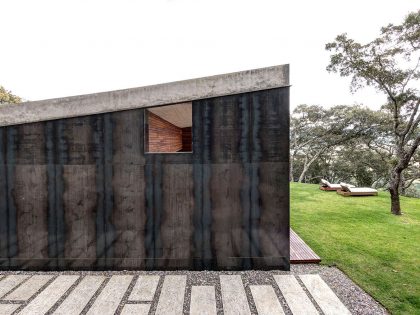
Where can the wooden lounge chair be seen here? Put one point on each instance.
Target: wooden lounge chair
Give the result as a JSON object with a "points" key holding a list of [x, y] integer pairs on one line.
{"points": [[350, 190], [327, 186]]}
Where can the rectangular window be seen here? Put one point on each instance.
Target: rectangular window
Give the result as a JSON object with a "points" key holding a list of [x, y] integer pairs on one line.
{"points": [[169, 128]]}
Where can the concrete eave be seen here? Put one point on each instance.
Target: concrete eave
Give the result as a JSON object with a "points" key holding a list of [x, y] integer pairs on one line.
{"points": [[147, 96]]}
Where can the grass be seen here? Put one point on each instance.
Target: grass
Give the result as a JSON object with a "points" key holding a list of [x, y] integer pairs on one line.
{"points": [[359, 235]]}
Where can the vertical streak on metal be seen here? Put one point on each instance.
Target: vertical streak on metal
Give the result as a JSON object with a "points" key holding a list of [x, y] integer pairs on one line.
{"points": [[198, 184], [12, 215], [51, 186], [149, 240], [244, 148], [108, 189], [206, 194], [142, 208], [100, 216], [255, 159], [158, 196], [61, 159], [3, 199]]}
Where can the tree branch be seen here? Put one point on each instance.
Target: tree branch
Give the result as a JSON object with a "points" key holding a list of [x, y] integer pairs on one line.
{"points": [[410, 121]]}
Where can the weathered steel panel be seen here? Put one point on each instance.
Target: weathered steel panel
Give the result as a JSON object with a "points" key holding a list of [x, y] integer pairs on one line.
{"points": [[176, 218], [128, 182], [79, 200], [80, 193]]}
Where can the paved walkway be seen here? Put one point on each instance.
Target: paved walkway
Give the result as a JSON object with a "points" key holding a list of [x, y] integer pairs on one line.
{"points": [[254, 292]]}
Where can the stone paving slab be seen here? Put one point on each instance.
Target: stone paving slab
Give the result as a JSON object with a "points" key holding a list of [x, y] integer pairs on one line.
{"points": [[8, 309], [234, 298], [266, 301], [203, 300], [322, 289], [145, 288], [80, 296], [50, 295], [10, 282], [296, 298], [171, 300], [136, 309], [329, 303], [30, 287], [110, 298]]}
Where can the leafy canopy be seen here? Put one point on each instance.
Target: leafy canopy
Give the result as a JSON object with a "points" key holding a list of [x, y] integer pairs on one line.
{"points": [[6, 97]]}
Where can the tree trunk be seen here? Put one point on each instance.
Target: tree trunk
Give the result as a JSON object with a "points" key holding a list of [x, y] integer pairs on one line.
{"points": [[292, 160], [307, 164], [402, 185], [305, 169], [395, 193], [302, 175]]}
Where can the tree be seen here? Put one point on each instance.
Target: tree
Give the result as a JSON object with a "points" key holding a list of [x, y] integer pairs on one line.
{"points": [[389, 63], [317, 131], [7, 97]]}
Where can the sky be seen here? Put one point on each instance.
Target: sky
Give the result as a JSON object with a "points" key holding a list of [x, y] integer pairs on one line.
{"points": [[58, 48]]}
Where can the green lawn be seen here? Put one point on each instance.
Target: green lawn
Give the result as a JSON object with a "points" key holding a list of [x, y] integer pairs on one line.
{"points": [[377, 250]]}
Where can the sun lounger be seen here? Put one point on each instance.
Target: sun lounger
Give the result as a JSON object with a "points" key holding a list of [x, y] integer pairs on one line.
{"points": [[327, 186], [350, 190]]}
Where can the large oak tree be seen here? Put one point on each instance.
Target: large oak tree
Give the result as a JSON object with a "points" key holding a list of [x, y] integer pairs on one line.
{"points": [[389, 63]]}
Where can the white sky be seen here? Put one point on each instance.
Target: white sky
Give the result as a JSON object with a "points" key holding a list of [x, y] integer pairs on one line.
{"points": [[59, 48]]}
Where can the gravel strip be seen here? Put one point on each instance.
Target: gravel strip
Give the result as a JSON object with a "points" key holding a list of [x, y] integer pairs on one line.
{"points": [[353, 297]]}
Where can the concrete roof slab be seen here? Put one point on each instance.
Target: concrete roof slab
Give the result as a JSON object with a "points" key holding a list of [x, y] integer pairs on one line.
{"points": [[147, 96]]}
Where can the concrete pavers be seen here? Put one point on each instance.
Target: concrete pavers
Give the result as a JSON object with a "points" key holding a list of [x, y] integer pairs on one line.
{"points": [[212, 293], [203, 300], [329, 303], [266, 300], [136, 309], [10, 282], [295, 296], [29, 288], [8, 309], [80, 296], [171, 299], [109, 299], [49, 296], [234, 296], [144, 289]]}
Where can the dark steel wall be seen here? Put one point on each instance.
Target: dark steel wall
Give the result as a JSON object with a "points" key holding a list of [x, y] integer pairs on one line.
{"points": [[79, 193]]}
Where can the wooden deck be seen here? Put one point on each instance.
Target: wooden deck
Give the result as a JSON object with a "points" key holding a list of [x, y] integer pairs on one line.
{"points": [[300, 252]]}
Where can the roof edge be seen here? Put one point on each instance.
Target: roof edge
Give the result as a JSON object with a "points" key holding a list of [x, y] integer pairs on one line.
{"points": [[146, 96]]}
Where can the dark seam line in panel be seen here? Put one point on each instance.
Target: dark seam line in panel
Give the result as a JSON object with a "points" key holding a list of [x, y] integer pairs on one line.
{"points": [[149, 240], [51, 185], [61, 159], [198, 187], [244, 146], [99, 173], [206, 173], [108, 189], [12, 215], [255, 192], [158, 206]]}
